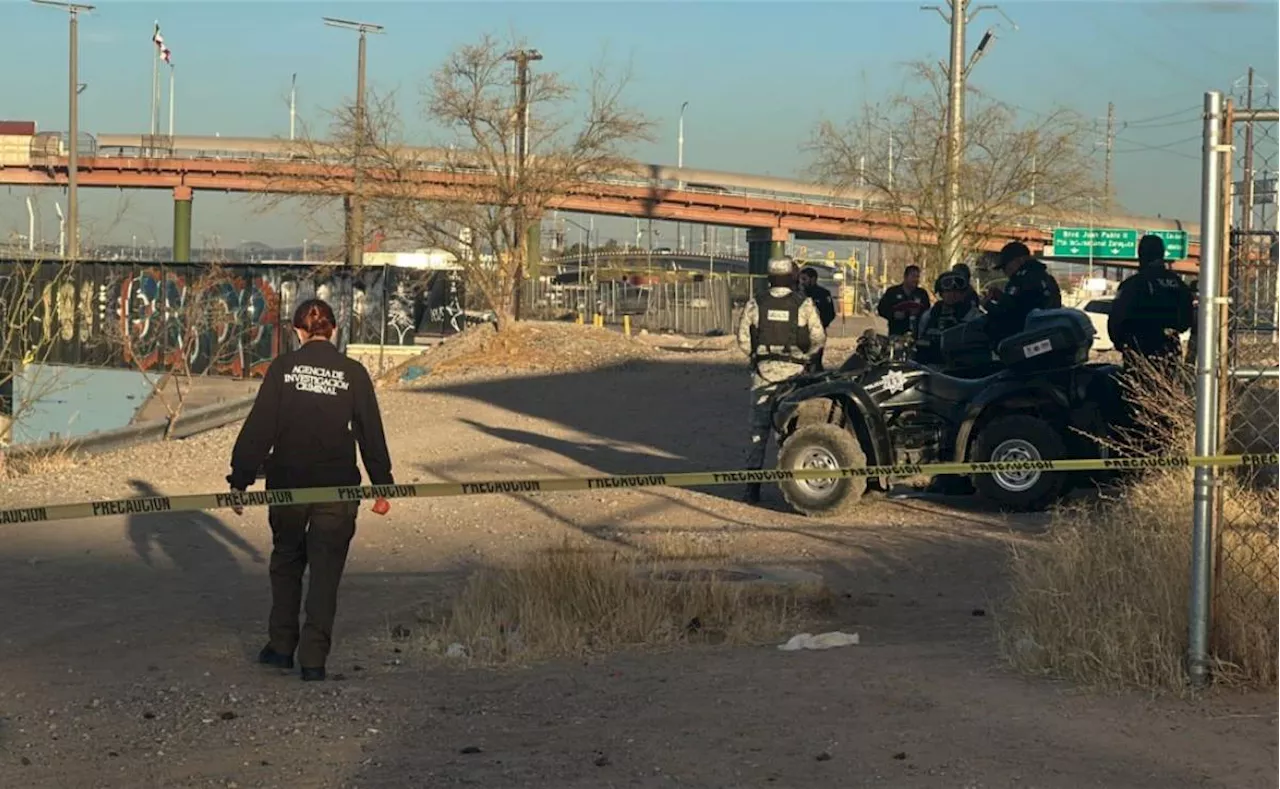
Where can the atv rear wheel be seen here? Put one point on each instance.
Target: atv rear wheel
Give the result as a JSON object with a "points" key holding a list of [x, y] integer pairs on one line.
{"points": [[822, 446], [1015, 438]]}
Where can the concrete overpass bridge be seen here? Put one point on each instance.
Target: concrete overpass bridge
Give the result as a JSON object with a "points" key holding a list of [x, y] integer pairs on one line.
{"points": [[773, 210]]}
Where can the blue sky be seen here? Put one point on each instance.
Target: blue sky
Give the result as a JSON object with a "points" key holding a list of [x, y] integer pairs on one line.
{"points": [[757, 76]]}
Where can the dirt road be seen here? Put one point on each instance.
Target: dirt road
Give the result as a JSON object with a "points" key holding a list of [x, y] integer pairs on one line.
{"points": [[126, 643]]}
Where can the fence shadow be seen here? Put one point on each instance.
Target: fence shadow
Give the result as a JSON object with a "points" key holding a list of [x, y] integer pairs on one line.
{"points": [[692, 414]]}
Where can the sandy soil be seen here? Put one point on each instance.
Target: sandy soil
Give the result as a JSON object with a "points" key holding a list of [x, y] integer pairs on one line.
{"points": [[126, 644]]}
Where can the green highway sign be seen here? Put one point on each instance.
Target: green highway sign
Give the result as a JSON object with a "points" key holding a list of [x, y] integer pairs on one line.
{"points": [[1175, 243], [1097, 242]]}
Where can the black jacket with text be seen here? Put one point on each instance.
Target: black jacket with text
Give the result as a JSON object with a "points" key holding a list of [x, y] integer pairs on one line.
{"points": [[314, 406]]}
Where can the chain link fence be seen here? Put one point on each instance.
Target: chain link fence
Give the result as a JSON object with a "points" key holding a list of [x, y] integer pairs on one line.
{"points": [[704, 305], [1246, 554]]}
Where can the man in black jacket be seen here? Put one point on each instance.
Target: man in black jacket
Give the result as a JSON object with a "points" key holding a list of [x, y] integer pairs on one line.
{"points": [[902, 305], [1152, 308], [314, 406], [1029, 287], [821, 298]]}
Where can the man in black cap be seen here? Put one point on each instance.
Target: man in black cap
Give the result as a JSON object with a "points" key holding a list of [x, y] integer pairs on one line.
{"points": [[821, 298], [1029, 287], [1152, 308]]}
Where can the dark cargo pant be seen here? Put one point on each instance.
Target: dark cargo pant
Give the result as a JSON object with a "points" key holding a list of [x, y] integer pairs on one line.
{"points": [[317, 535]]}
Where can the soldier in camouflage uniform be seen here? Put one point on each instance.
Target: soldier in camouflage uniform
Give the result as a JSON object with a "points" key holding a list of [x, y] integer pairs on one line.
{"points": [[780, 331]]}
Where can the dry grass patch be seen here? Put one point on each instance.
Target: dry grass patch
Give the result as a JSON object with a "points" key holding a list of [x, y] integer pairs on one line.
{"points": [[33, 463], [576, 601], [1103, 602]]}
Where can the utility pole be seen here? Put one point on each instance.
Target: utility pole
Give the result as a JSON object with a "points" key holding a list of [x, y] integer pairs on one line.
{"points": [[1246, 210], [355, 202], [73, 133], [1110, 150], [522, 58], [293, 104], [957, 71]]}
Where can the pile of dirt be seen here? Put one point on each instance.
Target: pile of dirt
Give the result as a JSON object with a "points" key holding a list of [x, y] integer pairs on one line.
{"points": [[524, 347]]}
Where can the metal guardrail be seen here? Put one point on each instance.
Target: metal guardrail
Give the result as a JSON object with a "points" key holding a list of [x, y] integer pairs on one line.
{"points": [[197, 420]]}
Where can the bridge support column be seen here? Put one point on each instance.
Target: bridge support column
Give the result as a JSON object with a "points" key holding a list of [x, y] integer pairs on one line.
{"points": [[764, 244], [182, 224]]}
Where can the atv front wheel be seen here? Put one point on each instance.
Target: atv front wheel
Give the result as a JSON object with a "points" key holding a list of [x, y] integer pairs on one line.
{"points": [[1020, 438], [822, 446]]}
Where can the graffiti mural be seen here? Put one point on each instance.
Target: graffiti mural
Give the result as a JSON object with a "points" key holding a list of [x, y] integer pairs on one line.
{"points": [[230, 320]]}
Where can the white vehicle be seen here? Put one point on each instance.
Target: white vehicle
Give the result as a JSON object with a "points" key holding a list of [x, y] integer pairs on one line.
{"points": [[1099, 309]]}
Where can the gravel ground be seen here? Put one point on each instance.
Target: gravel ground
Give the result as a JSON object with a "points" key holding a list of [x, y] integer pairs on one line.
{"points": [[127, 642]]}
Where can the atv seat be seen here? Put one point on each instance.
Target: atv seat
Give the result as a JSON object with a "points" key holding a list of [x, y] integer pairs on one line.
{"points": [[951, 388]]}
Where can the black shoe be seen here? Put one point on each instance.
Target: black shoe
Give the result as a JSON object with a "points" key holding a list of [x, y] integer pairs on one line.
{"points": [[270, 657], [313, 674], [752, 495]]}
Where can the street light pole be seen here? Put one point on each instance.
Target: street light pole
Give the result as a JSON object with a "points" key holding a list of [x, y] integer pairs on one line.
{"points": [[355, 203], [957, 76], [73, 133], [522, 58], [680, 166]]}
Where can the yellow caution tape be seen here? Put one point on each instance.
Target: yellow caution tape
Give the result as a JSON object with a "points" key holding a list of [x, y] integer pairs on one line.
{"points": [[268, 498]]}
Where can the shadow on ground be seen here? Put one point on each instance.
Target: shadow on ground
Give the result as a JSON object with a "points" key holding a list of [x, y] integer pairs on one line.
{"points": [[703, 426]]}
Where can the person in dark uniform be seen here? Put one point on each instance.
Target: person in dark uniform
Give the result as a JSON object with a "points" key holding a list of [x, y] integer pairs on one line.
{"points": [[902, 305], [953, 308], [314, 406], [1152, 308], [971, 296], [821, 298], [1029, 287]]}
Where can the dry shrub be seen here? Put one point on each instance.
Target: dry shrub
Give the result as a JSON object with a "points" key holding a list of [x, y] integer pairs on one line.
{"points": [[1103, 602], [575, 601], [32, 463]]}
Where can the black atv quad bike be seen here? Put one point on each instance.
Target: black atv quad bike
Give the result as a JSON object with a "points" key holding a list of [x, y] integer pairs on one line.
{"points": [[1035, 398]]}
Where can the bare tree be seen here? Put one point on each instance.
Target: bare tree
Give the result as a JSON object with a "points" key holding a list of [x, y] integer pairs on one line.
{"points": [[471, 194], [192, 331], [44, 307], [1011, 173], [32, 292]]}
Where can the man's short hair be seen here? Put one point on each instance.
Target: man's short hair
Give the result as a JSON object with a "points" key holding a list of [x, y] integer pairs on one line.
{"points": [[1151, 249], [809, 271], [909, 269]]}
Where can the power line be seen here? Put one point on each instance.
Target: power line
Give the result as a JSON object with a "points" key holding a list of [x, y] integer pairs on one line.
{"points": [[1165, 125], [1141, 147], [1165, 116]]}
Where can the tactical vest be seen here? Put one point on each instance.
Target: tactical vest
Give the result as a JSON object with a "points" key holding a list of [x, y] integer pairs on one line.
{"points": [[942, 316], [1154, 312], [778, 335]]}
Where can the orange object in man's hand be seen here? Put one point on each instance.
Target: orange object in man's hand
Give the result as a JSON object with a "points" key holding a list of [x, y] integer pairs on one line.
{"points": [[382, 506]]}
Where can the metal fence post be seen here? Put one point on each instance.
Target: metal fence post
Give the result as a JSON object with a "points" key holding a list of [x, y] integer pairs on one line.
{"points": [[1206, 395]]}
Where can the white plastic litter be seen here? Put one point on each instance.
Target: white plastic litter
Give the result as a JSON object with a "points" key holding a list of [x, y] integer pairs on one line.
{"points": [[823, 641], [456, 650]]}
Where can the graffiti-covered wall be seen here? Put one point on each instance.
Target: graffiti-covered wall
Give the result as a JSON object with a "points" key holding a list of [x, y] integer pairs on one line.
{"points": [[228, 320]]}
